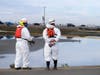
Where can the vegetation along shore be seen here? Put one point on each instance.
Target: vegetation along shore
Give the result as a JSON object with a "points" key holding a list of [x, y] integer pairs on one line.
{"points": [[36, 30]]}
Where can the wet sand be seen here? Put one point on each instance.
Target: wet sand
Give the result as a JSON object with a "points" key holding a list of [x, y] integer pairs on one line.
{"points": [[61, 71]]}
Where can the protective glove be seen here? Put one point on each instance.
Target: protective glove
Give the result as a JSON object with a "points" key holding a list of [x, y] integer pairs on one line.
{"points": [[31, 42], [52, 43]]}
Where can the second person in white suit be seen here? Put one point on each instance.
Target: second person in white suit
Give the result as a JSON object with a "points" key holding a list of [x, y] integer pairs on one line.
{"points": [[51, 35]]}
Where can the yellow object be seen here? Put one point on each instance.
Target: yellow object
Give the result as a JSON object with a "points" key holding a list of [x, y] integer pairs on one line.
{"points": [[21, 23]]}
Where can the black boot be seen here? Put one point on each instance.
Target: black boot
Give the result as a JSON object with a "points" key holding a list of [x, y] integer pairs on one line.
{"points": [[55, 64], [48, 65], [12, 66], [18, 68], [27, 68]]}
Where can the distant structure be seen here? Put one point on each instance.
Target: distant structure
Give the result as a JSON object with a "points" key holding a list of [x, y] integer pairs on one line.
{"points": [[9, 23], [43, 17], [1, 22], [70, 25]]}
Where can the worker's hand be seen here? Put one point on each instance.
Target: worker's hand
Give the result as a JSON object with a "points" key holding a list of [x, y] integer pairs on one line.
{"points": [[31, 42], [52, 43]]}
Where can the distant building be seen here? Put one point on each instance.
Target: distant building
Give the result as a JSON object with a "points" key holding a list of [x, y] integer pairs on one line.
{"points": [[70, 25], [1, 22], [89, 27], [9, 23]]}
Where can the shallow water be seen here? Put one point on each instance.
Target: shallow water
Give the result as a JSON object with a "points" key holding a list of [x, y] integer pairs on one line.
{"points": [[83, 53], [87, 52]]}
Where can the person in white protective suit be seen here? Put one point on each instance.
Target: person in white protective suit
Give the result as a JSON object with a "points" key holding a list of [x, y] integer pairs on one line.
{"points": [[22, 36], [51, 35]]}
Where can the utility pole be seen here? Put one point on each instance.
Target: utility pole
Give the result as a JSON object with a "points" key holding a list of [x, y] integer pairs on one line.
{"points": [[43, 17]]}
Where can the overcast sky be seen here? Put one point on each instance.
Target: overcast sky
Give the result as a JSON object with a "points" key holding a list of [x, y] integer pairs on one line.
{"points": [[64, 11]]}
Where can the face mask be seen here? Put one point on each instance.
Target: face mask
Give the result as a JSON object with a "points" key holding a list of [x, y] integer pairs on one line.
{"points": [[49, 26], [25, 24], [53, 24]]}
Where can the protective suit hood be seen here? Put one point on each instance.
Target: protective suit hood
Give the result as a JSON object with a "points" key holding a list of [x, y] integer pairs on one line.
{"points": [[23, 22]]}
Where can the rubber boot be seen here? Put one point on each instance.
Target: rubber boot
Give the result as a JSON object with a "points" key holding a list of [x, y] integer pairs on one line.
{"points": [[55, 65], [48, 65], [12, 66]]}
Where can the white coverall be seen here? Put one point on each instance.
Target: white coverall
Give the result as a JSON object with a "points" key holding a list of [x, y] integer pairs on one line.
{"points": [[51, 52], [22, 49]]}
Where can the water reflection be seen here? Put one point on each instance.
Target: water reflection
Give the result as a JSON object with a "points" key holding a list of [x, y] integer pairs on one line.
{"points": [[1, 57], [70, 53], [79, 54], [6, 37], [7, 44]]}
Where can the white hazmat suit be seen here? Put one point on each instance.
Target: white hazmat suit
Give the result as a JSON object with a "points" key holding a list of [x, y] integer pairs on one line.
{"points": [[51, 52], [22, 48]]}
